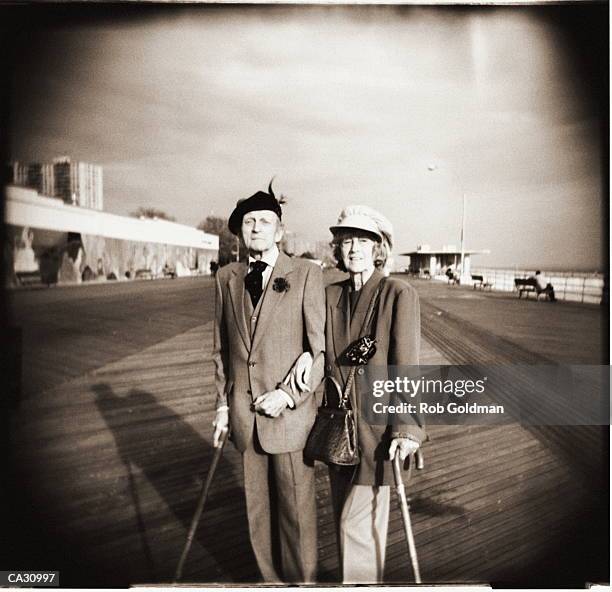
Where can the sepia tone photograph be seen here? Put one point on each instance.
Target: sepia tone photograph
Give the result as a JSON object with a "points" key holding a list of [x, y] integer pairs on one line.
{"points": [[240, 242]]}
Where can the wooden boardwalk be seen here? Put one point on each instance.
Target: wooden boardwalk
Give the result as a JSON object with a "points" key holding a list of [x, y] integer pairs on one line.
{"points": [[110, 464], [70, 330]]}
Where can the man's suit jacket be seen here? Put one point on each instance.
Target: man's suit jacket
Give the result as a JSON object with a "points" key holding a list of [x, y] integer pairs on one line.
{"points": [[397, 327], [290, 322]]}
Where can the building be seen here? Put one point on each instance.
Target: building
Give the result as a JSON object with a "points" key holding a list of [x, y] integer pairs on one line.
{"points": [[76, 183], [427, 262], [40, 177], [18, 174], [55, 242]]}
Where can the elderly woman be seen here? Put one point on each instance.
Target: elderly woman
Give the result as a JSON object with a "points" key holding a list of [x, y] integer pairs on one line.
{"points": [[362, 240]]}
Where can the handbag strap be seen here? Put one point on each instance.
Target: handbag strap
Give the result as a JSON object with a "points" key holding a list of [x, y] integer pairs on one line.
{"points": [[337, 387], [368, 318]]}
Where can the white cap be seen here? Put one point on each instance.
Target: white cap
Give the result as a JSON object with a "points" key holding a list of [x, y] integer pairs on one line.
{"points": [[365, 218], [356, 222]]}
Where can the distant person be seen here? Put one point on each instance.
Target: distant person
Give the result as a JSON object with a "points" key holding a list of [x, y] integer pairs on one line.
{"points": [[168, 271], [88, 275], [214, 267], [541, 287], [451, 275]]}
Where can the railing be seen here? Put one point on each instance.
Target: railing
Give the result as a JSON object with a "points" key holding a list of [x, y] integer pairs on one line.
{"points": [[572, 286], [568, 285]]}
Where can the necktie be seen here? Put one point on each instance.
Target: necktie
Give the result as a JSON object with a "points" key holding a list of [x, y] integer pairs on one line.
{"points": [[254, 281]]}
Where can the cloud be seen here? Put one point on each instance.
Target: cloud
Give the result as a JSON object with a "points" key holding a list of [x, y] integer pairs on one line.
{"points": [[193, 109]]}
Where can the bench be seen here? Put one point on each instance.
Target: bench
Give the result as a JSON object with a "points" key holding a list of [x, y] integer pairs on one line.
{"points": [[143, 274], [528, 286], [479, 282], [28, 278]]}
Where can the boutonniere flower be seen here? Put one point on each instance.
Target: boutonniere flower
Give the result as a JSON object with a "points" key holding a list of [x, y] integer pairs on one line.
{"points": [[280, 285]]}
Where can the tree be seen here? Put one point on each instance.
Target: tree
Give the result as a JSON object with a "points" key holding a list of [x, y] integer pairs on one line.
{"points": [[227, 241], [152, 213]]}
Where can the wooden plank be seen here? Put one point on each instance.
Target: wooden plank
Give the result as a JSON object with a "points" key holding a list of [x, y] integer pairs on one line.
{"points": [[118, 473]]}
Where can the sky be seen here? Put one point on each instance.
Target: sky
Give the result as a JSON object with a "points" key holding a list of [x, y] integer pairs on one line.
{"points": [[188, 109]]}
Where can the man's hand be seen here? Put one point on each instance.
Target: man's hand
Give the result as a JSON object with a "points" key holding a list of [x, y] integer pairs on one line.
{"points": [[272, 403], [299, 375], [221, 423], [406, 446]]}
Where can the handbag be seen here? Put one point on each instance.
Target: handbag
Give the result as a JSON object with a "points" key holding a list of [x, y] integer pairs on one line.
{"points": [[333, 438]]}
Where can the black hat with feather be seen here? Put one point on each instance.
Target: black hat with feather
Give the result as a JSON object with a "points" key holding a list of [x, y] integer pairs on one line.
{"points": [[258, 201]]}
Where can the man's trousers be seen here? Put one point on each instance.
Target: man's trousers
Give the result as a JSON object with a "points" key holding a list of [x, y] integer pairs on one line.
{"points": [[281, 510]]}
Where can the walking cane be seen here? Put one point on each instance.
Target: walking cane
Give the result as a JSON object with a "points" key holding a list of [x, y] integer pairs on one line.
{"points": [[403, 502], [200, 507]]}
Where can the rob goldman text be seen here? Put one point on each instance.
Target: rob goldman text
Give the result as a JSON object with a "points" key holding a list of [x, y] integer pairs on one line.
{"points": [[436, 408]]}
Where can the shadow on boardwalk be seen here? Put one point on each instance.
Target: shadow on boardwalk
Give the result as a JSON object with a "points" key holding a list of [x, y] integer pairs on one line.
{"points": [[153, 458]]}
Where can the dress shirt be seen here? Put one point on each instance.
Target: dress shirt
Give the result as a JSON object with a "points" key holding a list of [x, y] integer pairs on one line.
{"points": [[270, 259]]}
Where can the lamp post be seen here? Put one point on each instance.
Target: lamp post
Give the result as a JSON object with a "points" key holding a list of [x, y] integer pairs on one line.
{"points": [[434, 167], [463, 274]]}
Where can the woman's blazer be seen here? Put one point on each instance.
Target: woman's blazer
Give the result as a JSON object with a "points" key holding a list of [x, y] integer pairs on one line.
{"points": [[396, 324]]}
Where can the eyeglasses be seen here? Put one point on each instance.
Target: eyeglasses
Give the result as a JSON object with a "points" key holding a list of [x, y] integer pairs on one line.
{"points": [[362, 240]]}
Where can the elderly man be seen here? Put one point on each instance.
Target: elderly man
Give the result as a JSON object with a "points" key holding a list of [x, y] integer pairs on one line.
{"points": [[269, 327]]}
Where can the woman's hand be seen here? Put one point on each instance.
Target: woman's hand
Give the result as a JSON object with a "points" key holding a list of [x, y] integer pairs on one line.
{"points": [[406, 446]]}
